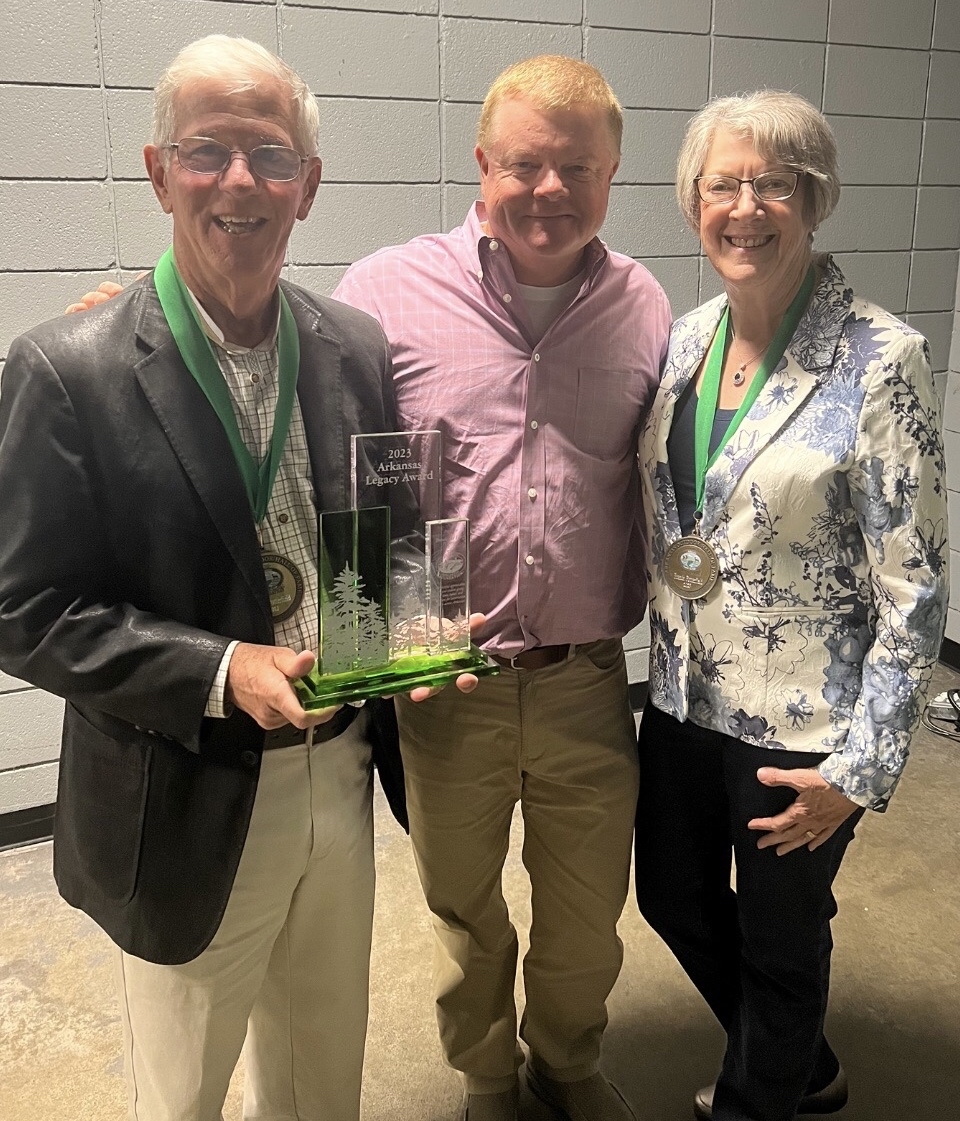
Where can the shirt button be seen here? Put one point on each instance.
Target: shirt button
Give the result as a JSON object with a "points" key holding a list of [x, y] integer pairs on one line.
{"points": [[479, 276], [536, 358], [534, 424], [283, 519], [494, 245], [507, 297], [532, 492], [528, 559], [254, 378]]}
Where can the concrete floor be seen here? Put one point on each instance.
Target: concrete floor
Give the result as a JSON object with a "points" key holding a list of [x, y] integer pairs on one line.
{"points": [[895, 1016]]}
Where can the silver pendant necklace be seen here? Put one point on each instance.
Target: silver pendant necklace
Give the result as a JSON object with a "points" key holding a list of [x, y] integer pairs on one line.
{"points": [[740, 373]]}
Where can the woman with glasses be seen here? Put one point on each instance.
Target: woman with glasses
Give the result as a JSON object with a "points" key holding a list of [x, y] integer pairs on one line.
{"points": [[796, 508]]}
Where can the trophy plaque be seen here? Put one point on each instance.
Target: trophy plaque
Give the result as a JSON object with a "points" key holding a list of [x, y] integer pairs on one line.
{"points": [[394, 579]]}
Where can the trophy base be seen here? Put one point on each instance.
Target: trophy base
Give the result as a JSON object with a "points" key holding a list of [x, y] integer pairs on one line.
{"points": [[399, 676]]}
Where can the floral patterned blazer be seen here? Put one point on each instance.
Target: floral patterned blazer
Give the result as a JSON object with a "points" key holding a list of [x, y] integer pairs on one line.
{"points": [[827, 510]]}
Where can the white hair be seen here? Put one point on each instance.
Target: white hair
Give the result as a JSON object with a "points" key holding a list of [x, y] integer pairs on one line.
{"points": [[242, 63]]}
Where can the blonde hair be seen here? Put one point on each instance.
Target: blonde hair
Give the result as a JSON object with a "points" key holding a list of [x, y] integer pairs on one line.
{"points": [[243, 63], [783, 127], [551, 81]]}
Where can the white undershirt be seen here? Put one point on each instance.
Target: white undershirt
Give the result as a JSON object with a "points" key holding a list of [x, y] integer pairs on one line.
{"points": [[545, 304], [214, 333]]}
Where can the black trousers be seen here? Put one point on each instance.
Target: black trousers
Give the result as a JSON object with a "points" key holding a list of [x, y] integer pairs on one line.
{"points": [[760, 955]]}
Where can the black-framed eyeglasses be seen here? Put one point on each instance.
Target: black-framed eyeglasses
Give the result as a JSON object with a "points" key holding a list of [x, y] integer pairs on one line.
{"points": [[204, 156], [772, 186]]}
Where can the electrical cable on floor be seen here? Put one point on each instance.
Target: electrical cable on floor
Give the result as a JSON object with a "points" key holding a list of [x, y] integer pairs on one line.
{"points": [[942, 714]]}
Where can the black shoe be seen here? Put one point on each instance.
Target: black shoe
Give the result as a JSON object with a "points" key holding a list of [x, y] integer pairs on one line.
{"points": [[828, 1100]]}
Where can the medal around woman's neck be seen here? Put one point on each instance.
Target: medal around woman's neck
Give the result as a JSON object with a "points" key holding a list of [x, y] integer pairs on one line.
{"points": [[691, 566]]}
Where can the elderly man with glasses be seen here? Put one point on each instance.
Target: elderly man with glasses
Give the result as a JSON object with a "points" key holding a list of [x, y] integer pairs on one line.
{"points": [[160, 459]]}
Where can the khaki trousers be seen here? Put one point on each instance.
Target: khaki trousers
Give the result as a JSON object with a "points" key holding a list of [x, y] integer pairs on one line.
{"points": [[287, 970], [561, 741]]}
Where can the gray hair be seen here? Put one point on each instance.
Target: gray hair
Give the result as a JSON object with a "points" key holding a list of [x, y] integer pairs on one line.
{"points": [[243, 63], [783, 127]]}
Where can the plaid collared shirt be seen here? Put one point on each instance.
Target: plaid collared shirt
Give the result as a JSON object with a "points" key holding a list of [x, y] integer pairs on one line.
{"points": [[290, 524]]}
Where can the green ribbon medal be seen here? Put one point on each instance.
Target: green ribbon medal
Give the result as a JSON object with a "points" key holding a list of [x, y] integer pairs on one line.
{"points": [[690, 565], [284, 582]]}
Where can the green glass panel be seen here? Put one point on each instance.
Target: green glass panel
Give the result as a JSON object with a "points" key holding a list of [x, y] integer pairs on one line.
{"points": [[400, 676]]}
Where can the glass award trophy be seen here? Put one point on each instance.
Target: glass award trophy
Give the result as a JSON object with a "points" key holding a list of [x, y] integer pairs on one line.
{"points": [[394, 579]]}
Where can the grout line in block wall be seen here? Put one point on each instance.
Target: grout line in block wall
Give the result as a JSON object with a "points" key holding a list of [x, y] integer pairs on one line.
{"points": [[108, 147]]}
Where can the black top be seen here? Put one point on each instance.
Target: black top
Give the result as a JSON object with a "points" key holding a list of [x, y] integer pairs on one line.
{"points": [[680, 451]]}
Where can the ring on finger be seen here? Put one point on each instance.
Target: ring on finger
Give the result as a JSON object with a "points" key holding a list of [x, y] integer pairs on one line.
{"points": [[810, 835]]}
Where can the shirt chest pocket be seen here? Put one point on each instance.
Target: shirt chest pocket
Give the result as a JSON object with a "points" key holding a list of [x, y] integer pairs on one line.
{"points": [[608, 412]]}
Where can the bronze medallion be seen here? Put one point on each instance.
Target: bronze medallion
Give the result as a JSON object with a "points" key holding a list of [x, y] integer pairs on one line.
{"points": [[691, 567], [284, 585]]}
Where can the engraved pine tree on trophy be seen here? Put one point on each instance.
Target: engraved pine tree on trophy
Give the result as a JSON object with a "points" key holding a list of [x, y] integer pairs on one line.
{"points": [[407, 635], [354, 632]]}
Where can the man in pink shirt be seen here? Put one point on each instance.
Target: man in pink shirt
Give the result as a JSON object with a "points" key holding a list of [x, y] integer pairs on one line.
{"points": [[536, 351]]}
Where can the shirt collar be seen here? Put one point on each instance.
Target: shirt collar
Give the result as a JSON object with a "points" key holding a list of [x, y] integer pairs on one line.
{"points": [[478, 243], [215, 335]]}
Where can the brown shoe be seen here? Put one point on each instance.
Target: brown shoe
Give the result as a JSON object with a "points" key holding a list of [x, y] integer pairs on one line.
{"points": [[587, 1099], [492, 1107], [831, 1098]]}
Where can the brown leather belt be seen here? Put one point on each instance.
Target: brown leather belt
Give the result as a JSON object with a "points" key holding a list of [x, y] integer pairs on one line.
{"points": [[290, 735], [538, 658]]}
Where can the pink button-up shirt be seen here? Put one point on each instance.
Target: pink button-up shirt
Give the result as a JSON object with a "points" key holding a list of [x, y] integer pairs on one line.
{"points": [[539, 435]]}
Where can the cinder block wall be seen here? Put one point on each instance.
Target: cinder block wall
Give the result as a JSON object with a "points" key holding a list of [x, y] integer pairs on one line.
{"points": [[399, 82]]}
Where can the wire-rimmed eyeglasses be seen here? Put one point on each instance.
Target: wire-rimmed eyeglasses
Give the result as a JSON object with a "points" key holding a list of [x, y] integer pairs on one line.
{"points": [[204, 156], [771, 186]]}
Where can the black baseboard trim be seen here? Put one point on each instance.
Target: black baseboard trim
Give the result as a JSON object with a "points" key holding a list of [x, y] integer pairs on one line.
{"points": [[23, 827], [950, 654], [638, 695]]}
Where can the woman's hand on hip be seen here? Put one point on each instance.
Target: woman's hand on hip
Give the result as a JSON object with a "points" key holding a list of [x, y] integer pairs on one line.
{"points": [[816, 814]]}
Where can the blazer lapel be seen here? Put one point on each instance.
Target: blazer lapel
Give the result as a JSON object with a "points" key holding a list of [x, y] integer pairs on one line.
{"points": [[197, 438], [808, 358], [320, 392], [688, 344]]}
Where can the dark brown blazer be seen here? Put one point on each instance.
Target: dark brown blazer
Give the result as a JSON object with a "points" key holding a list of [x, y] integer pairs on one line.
{"points": [[128, 561]]}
